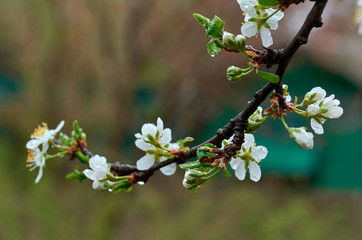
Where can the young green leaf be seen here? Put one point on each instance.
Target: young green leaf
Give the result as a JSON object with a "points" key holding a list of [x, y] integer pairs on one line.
{"points": [[271, 77], [189, 165], [205, 22], [216, 28], [268, 3], [213, 47]]}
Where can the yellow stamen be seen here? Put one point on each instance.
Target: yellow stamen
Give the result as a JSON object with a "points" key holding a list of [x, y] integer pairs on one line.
{"points": [[244, 14], [40, 130], [30, 157]]}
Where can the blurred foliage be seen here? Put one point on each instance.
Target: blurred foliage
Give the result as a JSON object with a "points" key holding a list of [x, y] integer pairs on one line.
{"points": [[114, 65], [224, 208]]}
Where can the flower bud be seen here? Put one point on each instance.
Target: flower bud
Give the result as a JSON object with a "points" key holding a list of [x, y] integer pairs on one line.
{"points": [[234, 74], [314, 95], [302, 137], [255, 120], [186, 183], [228, 39], [240, 42]]}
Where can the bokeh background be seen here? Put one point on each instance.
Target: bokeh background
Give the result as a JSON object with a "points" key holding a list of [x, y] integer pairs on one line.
{"points": [[114, 65]]}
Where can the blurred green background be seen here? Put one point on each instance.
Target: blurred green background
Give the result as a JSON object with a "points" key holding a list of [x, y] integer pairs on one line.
{"points": [[114, 65]]}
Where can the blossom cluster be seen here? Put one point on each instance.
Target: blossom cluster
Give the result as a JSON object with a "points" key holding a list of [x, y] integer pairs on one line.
{"points": [[259, 19], [319, 108], [38, 146]]}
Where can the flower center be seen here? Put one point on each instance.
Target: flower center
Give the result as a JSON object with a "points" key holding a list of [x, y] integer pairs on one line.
{"points": [[30, 159], [40, 130]]}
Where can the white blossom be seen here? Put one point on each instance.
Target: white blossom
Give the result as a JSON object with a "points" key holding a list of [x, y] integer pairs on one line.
{"points": [[42, 135], [247, 158], [258, 24], [36, 159], [98, 172], [321, 110], [157, 139], [153, 136], [302, 137]]}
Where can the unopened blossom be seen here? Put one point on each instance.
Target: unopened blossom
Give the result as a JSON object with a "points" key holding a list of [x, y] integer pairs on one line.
{"points": [[192, 178], [98, 172], [228, 38], [188, 181], [255, 120], [36, 159], [288, 98], [302, 137], [321, 110], [258, 21], [42, 135], [317, 93], [248, 158]]}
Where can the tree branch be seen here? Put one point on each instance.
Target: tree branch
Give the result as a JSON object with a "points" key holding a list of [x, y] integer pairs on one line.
{"points": [[238, 124]]}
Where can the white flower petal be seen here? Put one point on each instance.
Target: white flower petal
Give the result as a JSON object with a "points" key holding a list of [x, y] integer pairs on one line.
{"points": [[98, 163], [273, 23], [169, 169], [334, 112], [259, 153], [317, 128], [138, 135], [254, 171], [249, 29], [304, 138], [90, 174], [313, 109], [141, 144], [166, 138], [40, 174], [240, 172], [159, 124], [145, 162], [33, 143], [266, 37], [148, 129], [235, 162], [59, 127], [95, 184], [248, 141]]}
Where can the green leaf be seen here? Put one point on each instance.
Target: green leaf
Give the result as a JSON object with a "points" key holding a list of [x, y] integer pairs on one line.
{"points": [[205, 22], [216, 28], [213, 47], [271, 77], [227, 173], [182, 142], [76, 175], [189, 165], [202, 152], [268, 3]]}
